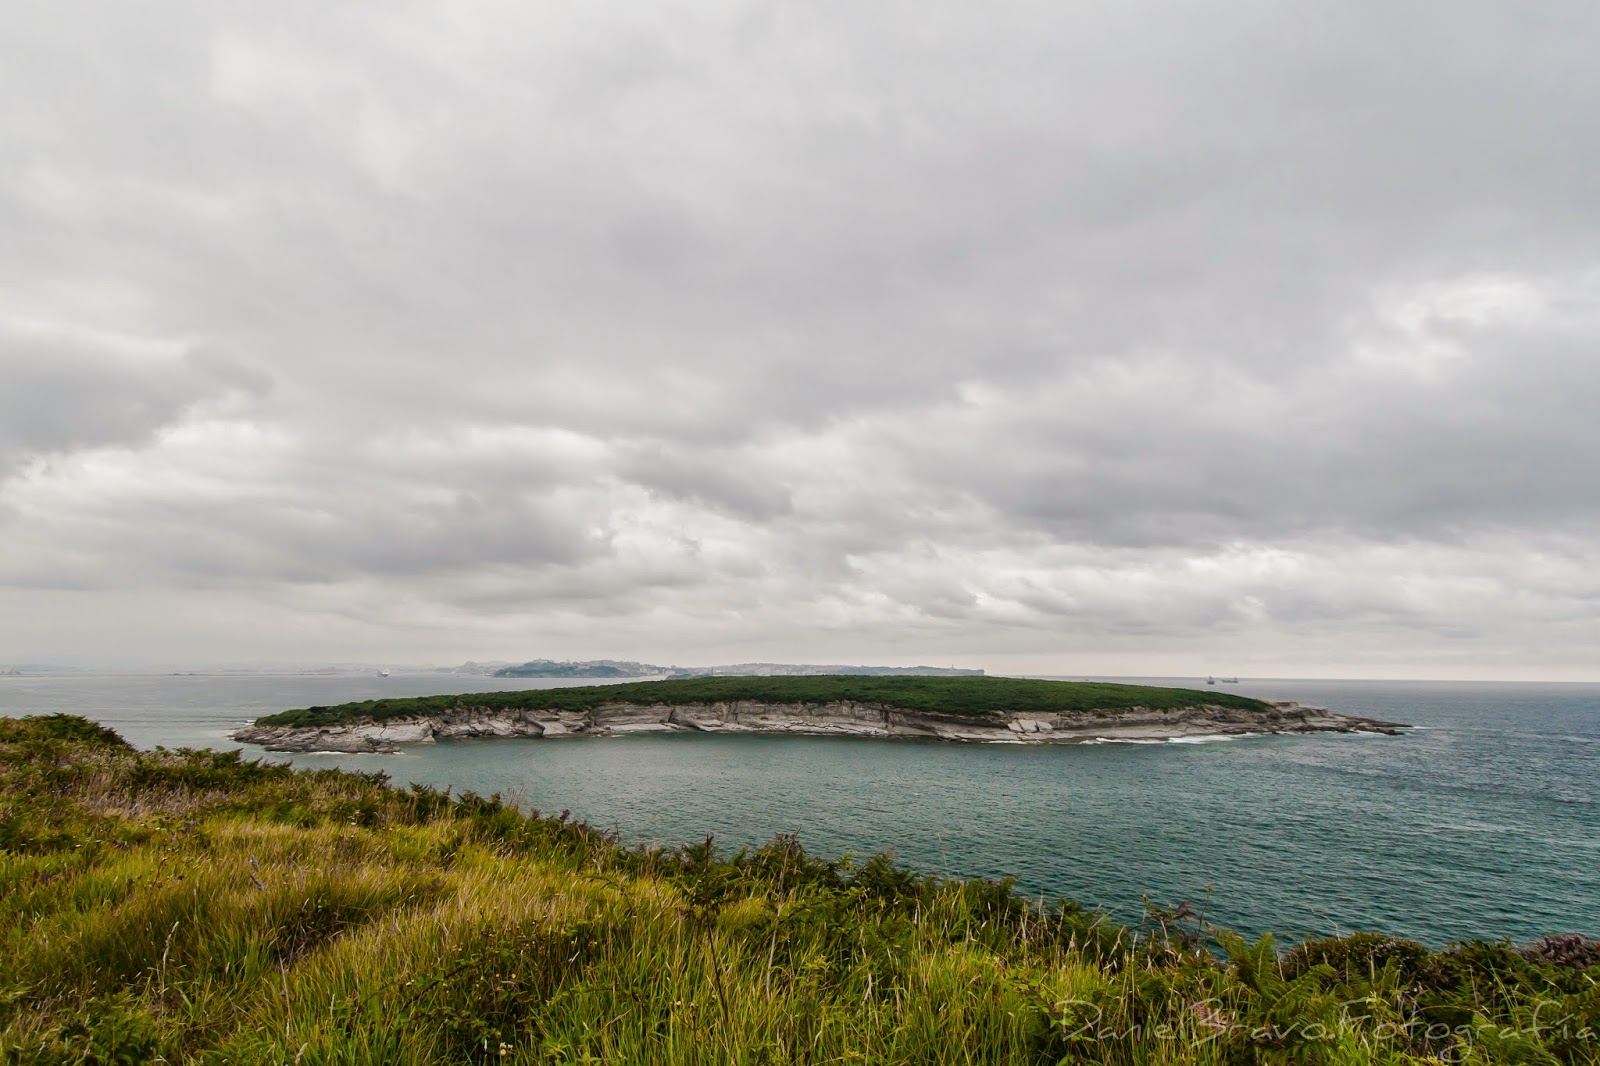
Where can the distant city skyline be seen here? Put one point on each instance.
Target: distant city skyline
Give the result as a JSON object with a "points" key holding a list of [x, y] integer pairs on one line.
{"points": [[1115, 340]]}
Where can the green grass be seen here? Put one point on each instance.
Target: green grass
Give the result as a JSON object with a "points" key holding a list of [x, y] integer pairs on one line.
{"points": [[972, 697], [192, 906]]}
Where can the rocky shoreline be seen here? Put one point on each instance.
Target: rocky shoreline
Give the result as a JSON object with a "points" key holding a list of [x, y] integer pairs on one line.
{"points": [[826, 719]]}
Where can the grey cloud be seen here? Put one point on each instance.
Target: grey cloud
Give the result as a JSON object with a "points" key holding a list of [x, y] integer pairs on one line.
{"points": [[66, 389], [984, 329], [1502, 436], [715, 479]]}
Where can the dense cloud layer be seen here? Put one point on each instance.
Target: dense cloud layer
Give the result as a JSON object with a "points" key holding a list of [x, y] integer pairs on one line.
{"points": [[1112, 338]]}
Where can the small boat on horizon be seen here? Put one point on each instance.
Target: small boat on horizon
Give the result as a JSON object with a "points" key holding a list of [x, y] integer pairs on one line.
{"points": [[383, 673]]}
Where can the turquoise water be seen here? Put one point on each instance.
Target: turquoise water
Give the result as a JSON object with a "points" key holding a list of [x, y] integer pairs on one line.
{"points": [[1483, 822]]}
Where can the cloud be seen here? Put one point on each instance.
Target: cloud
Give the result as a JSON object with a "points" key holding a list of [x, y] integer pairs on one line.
{"points": [[1029, 336], [69, 388]]}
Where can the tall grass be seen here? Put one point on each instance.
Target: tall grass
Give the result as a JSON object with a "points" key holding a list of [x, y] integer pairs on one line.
{"points": [[248, 914]]}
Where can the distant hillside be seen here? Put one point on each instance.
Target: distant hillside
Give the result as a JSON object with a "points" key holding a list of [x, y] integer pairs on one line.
{"points": [[592, 668]]}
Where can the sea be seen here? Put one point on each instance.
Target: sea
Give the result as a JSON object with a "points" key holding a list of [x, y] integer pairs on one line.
{"points": [[1481, 821]]}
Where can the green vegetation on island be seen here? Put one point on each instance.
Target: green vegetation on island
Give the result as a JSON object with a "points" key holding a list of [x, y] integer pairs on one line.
{"points": [[631, 668], [971, 697], [193, 906]]}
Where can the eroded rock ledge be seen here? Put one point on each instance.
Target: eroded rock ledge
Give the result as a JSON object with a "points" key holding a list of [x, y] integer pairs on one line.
{"points": [[826, 719]]}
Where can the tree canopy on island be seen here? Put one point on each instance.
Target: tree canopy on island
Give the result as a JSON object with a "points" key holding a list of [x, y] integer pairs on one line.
{"points": [[968, 697]]}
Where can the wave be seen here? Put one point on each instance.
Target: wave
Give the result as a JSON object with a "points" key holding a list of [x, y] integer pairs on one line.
{"points": [[1199, 738], [1211, 738]]}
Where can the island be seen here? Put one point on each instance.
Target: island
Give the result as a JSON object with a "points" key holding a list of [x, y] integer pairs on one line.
{"points": [[966, 709]]}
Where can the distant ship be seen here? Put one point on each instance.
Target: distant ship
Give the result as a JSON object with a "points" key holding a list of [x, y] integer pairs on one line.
{"points": [[1221, 680], [383, 673]]}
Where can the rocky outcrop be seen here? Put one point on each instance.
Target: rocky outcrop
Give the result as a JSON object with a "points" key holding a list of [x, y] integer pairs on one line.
{"points": [[827, 719]]}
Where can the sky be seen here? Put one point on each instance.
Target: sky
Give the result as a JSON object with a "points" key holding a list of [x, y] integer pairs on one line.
{"points": [[1252, 338]]}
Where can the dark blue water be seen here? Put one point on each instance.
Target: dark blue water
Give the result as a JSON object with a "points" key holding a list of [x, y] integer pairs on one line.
{"points": [[1483, 822]]}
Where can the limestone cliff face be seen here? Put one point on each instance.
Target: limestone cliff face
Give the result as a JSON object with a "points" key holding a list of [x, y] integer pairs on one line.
{"points": [[827, 719]]}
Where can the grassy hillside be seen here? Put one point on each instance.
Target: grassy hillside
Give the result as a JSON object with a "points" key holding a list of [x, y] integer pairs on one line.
{"points": [[194, 907], [968, 696]]}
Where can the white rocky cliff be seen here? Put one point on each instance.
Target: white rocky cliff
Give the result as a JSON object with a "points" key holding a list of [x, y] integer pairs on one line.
{"points": [[826, 719]]}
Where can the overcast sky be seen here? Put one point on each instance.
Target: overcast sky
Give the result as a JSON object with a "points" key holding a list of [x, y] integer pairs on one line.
{"points": [[1245, 337]]}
